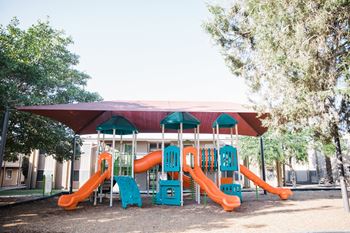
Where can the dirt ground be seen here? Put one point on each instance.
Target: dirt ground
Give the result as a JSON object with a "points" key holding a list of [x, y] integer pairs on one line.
{"points": [[317, 211]]}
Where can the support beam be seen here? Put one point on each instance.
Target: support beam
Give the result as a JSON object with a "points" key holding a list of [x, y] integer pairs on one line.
{"points": [[72, 165], [112, 170], [262, 160], [4, 134], [181, 165]]}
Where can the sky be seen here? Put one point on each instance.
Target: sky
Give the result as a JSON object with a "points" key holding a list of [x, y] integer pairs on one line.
{"points": [[139, 50]]}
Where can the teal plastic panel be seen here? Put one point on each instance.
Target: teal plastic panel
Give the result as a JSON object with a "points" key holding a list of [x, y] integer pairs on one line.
{"points": [[128, 190], [203, 159], [232, 189], [215, 159], [169, 193], [171, 159], [228, 156]]}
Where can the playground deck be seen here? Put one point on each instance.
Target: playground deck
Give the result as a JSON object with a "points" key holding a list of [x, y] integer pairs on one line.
{"points": [[310, 211]]}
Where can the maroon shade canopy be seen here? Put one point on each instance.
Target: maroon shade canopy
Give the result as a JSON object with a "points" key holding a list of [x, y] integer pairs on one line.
{"points": [[146, 115]]}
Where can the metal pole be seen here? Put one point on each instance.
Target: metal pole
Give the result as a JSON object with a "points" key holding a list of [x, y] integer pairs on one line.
{"points": [[162, 151], [135, 146], [3, 135], [219, 157], [120, 155], [199, 164], [215, 173], [133, 153], [96, 163], [112, 169], [72, 165], [238, 159], [195, 162], [262, 161], [103, 149], [181, 165]]}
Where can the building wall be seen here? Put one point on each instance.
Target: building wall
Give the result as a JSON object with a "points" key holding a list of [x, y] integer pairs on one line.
{"points": [[11, 173], [9, 176]]}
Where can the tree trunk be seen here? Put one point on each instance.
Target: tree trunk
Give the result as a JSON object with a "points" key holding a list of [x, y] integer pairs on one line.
{"points": [[246, 180], [317, 166], [3, 174], [284, 174], [329, 172], [279, 173], [341, 172]]}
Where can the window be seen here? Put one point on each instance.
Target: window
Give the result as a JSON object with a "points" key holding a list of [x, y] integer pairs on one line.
{"points": [[153, 146], [40, 175], [8, 174], [127, 149], [76, 175]]}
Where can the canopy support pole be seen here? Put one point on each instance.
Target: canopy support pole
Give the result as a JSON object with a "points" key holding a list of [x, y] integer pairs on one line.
{"points": [[112, 170], [163, 150], [72, 165], [199, 164], [4, 135], [262, 161], [181, 165], [133, 153], [215, 145], [96, 163], [103, 147], [219, 157], [238, 159]]}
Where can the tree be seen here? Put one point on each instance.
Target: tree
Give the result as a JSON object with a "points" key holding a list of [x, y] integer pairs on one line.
{"points": [[36, 67], [279, 149], [295, 57]]}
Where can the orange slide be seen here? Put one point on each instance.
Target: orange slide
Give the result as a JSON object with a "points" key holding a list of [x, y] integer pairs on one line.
{"points": [[228, 202], [148, 161], [70, 201], [283, 193]]}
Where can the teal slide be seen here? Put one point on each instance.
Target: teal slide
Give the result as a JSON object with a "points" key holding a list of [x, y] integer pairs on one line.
{"points": [[128, 191]]}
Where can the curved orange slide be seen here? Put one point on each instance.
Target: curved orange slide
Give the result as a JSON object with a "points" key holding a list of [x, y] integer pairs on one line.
{"points": [[148, 161], [283, 193], [152, 159], [70, 201], [228, 202]]}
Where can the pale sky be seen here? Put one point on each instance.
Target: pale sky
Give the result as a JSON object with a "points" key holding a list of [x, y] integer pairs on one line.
{"points": [[147, 50]]}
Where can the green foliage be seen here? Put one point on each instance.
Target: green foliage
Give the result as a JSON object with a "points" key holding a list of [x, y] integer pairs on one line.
{"points": [[36, 67], [277, 147], [294, 56]]}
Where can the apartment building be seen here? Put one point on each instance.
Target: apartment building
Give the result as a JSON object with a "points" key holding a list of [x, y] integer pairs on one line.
{"points": [[11, 173]]}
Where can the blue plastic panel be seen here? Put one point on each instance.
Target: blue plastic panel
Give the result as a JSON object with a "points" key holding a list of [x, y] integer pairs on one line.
{"points": [[203, 159], [215, 159], [228, 156], [169, 192], [128, 190], [172, 159], [232, 189]]}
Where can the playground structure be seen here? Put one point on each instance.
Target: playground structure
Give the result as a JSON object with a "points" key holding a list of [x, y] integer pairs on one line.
{"points": [[175, 161]]}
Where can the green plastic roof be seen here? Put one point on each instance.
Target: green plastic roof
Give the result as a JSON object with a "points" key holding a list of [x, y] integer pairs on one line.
{"points": [[225, 121], [173, 120], [121, 125]]}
